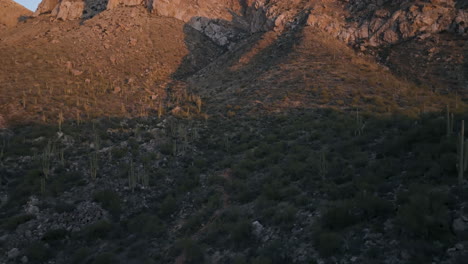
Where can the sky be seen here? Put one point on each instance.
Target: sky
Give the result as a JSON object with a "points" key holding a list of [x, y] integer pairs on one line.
{"points": [[30, 4]]}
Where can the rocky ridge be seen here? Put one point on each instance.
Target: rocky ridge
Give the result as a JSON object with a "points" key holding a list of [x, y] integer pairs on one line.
{"points": [[357, 22], [11, 13]]}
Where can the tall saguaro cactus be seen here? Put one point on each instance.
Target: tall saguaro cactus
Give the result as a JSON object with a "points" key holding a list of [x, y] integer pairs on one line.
{"points": [[463, 149], [449, 119]]}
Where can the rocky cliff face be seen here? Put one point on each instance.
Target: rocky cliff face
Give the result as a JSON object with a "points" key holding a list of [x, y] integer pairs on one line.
{"points": [[376, 23], [357, 22]]}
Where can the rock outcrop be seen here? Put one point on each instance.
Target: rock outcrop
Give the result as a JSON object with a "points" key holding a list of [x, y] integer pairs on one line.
{"points": [[376, 23], [357, 22], [11, 13]]}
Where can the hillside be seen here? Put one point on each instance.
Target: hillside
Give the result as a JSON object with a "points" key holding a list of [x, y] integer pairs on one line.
{"points": [[11, 13], [234, 132]]}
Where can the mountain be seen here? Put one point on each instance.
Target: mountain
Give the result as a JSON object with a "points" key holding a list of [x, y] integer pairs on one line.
{"points": [[235, 131], [11, 13]]}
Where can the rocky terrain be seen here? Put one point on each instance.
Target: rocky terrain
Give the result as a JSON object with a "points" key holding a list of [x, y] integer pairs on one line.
{"points": [[312, 131], [11, 13]]}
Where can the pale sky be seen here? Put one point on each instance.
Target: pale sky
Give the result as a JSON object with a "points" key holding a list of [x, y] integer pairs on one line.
{"points": [[30, 4]]}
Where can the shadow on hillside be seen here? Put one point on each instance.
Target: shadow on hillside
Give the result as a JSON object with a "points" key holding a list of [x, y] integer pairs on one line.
{"points": [[93, 8], [461, 4], [246, 58], [269, 155]]}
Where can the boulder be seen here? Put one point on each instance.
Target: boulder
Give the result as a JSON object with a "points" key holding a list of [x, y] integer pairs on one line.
{"points": [[69, 10], [46, 6], [13, 253], [460, 227]]}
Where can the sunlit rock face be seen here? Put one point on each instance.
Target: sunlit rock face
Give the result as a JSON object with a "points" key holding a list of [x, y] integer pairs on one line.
{"points": [[356, 22]]}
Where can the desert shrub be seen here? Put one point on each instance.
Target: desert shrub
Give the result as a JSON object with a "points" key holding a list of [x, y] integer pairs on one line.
{"points": [[55, 234], [328, 243], [110, 200], [343, 191], [145, 224], [424, 214], [240, 232], [37, 252], [105, 258], [118, 152], [167, 148], [295, 168], [200, 163], [270, 190], [339, 216], [275, 252], [193, 223], [285, 214], [62, 182], [13, 222], [262, 260], [80, 255], [192, 251], [100, 229], [188, 182], [167, 207], [373, 206]]}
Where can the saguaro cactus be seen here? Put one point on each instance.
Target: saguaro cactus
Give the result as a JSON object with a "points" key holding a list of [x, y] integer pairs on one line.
{"points": [[449, 118], [462, 151]]}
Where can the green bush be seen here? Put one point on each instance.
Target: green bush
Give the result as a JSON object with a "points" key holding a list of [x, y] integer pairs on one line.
{"points": [[146, 224], [13, 222], [192, 251], [424, 214], [38, 252], [110, 200], [100, 229], [80, 255], [339, 216], [167, 207], [55, 234], [373, 206], [105, 258], [328, 243], [285, 214], [240, 232]]}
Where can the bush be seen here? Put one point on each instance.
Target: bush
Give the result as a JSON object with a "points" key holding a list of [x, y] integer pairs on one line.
{"points": [[100, 229], [13, 222], [192, 251], [240, 232], [109, 200], [328, 243], [38, 252], [55, 234], [80, 255], [146, 224], [339, 217], [285, 214], [373, 206], [168, 206], [425, 215], [105, 258]]}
